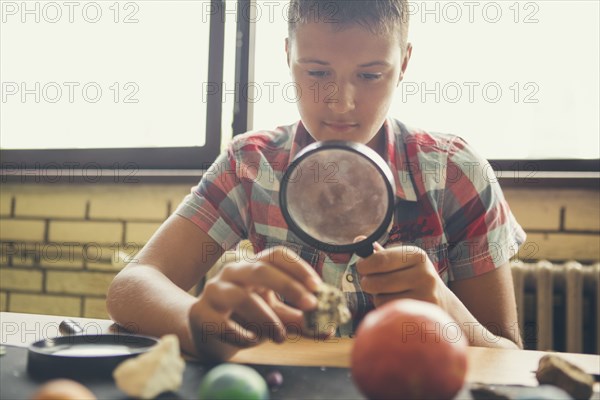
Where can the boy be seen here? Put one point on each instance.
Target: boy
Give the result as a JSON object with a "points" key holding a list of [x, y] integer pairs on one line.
{"points": [[451, 239]]}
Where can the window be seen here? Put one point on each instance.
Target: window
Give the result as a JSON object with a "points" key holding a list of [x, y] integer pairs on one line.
{"points": [[151, 84], [110, 83], [518, 80]]}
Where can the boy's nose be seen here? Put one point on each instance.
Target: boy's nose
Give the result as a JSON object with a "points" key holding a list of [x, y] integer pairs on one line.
{"points": [[342, 99]]}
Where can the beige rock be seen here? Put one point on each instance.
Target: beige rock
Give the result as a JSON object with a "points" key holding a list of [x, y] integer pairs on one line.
{"points": [[331, 310], [557, 371], [157, 371]]}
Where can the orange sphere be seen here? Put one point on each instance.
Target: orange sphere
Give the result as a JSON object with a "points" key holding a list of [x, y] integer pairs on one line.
{"points": [[409, 349], [63, 389]]}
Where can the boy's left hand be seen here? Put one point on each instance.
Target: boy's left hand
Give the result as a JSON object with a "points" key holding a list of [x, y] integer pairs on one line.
{"points": [[401, 272]]}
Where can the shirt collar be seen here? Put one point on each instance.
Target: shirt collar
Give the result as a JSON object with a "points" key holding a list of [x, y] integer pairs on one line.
{"points": [[395, 156], [398, 161], [300, 140]]}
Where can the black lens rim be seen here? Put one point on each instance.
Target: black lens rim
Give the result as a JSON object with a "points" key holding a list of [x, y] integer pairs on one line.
{"points": [[367, 153], [42, 362]]}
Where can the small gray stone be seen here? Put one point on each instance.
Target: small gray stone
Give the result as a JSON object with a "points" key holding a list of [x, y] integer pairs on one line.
{"points": [[274, 379]]}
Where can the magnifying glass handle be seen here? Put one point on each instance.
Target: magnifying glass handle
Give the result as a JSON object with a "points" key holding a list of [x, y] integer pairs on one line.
{"points": [[69, 327], [365, 251]]}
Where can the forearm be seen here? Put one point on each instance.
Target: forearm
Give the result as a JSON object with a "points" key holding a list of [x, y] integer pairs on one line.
{"points": [[144, 299], [476, 333]]}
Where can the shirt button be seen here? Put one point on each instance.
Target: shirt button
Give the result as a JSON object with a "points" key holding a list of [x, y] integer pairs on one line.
{"points": [[350, 278]]}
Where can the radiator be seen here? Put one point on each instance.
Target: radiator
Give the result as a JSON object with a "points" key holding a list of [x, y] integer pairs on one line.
{"points": [[558, 305]]}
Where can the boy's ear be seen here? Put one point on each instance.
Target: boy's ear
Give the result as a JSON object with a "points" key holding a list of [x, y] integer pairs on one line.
{"points": [[287, 50], [405, 61]]}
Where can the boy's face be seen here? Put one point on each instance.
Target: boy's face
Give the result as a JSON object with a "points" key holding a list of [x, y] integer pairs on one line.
{"points": [[347, 79]]}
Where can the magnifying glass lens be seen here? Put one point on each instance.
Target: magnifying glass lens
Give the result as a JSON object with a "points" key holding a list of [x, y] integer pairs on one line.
{"points": [[334, 193]]}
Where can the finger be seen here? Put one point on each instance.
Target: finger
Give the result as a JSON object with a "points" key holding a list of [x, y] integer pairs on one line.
{"points": [[226, 331], [294, 322], [389, 282], [287, 314], [294, 318], [416, 277], [391, 259], [290, 262], [258, 316], [208, 325], [366, 250], [223, 296], [381, 299], [377, 247], [261, 274], [359, 238], [226, 300]]}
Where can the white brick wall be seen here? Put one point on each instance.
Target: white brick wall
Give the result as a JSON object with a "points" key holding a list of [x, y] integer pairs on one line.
{"points": [[5, 203], [125, 208], [55, 205], [140, 232], [540, 208], [83, 283], [560, 246], [535, 209], [583, 213], [45, 304], [3, 303], [21, 279], [85, 232], [94, 308], [22, 230]]}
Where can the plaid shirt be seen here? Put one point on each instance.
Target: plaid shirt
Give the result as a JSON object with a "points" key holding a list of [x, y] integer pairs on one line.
{"points": [[448, 203]]}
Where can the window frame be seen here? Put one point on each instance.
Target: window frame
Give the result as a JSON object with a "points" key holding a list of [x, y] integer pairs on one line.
{"points": [[183, 162], [37, 161]]}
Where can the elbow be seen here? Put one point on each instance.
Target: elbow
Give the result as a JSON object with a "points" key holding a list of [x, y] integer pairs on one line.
{"points": [[116, 296], [519, 343], [110, 299]]}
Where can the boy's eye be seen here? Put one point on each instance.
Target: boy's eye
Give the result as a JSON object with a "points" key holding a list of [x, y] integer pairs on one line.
{"points": [[317, 74], [370, 77]]}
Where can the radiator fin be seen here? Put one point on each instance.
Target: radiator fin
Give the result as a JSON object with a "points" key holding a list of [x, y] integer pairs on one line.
{"points": [[566, 305]]}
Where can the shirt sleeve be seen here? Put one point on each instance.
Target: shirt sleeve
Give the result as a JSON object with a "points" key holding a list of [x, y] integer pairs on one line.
{"points": [[218, 204], [482, 232]]}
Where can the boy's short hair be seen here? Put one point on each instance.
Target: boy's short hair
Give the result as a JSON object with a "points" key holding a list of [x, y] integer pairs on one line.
{"points": [[380, 17]]}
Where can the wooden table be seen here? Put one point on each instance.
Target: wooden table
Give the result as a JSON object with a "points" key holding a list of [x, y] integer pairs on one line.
{"points": [[490, 366]]}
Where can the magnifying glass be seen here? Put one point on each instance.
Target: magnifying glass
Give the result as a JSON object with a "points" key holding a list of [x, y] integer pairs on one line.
{"points": [[78, 356], [335, 191]]}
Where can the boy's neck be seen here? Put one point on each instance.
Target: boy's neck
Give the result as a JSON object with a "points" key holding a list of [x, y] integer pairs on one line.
{"points": [[378, 142]]}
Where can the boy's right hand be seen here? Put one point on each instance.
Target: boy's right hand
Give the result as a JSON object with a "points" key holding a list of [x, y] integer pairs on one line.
{"points": [[242, 307]]}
